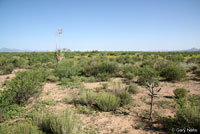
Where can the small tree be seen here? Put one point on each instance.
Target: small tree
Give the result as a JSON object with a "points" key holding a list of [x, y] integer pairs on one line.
{"points": [[152, 93]]}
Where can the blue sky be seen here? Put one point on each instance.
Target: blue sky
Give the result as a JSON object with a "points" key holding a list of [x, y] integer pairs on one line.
{"points": [[113, 25]]}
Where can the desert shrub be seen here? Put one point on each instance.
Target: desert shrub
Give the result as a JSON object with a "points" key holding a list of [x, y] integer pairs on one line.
{"points": [[20, 128], [52, 78], [8, 68], [66, 100], [147, 74], [125, 59], [86, 97], [10, 111], [173, 72], [105, 85], [197, 72], [180, 92], [72, 82], [107, 102], [67, 69], [48, 102], [188, 67], [132, 88], [83, 109], [129, 76], [62, 123], [125, 98], [129, 71], [102, 77], [19, 62], [187, 114], [100, 69], [22, 87]]}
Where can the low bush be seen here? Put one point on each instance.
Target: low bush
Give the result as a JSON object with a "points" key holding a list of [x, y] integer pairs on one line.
{"points": [[62, 123], [8, 68], [132, 88], [83, 109], [173, 72], [67, 69], [188, 67], [125, 98], [102, 77], [22, 87], [52, 78], [48, 102], [86, 97], [197, 72], [107, 102], [21, 127], [10, 111], [147, 74], [187, 115], [71, 82], [129, 71], [102, 69], [180, 92]]}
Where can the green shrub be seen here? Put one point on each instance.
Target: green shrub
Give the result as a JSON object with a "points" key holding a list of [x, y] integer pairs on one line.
{"points": [[7, 69], [102, 77], [20, 128], [49, 102], [180, 92], [100, 69], [67, 69], [125, 98], [132, 88], [62, 123], [86, 97], [129, 76], [10, 111], [129, 71], [173, 72], [83, 109], [52, 78], [71, 82], [188, 67], [19, 62], [107, 102], [197, 72], [22, 87], [147, 74], [187, 115]]}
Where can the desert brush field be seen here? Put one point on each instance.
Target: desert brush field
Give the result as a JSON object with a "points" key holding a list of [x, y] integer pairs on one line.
{"points": [[99, 92]]}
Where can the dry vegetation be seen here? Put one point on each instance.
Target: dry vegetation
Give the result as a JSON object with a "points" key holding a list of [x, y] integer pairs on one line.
{"points": [[98, 92]]}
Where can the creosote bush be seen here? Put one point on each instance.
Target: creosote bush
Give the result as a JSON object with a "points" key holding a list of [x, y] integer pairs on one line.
{"points": [[18, 91], [61, 123], [67, 69], [21, 127], [125, 98], [180, 92], [107, 101], [22, 87], [132, 88], [173, 72], [147, 74], [86, 97], [187, 115]]}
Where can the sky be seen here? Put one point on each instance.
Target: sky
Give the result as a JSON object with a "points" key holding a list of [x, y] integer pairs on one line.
{"points": [[104, 25]]}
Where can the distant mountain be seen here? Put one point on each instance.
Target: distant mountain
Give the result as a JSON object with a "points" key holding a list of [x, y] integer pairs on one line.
{"points": [[192, 50], [19, 50]]}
